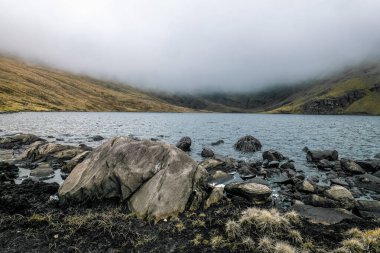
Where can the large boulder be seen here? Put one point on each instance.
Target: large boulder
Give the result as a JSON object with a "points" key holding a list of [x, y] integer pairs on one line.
{"points": [[156, 179], [45, 151], [272, 155], [253, 192], [248, 144], [351, 166], [317, 155], [184, 143], [15, 141]]}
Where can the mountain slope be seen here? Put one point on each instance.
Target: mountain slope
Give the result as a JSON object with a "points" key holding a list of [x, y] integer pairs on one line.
{"points": [[31, 88], [354, 91]]}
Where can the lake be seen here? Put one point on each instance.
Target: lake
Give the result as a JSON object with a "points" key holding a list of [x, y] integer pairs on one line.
{"points": [[357, 137]]}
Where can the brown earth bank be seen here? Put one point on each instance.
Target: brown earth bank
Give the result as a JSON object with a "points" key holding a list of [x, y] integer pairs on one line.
{"points": [[132, 195]]}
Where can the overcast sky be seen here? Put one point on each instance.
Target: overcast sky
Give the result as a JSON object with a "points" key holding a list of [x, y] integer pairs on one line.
{"points": [[193, 45]]}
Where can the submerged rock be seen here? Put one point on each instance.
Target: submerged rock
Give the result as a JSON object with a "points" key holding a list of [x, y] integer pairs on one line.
{"points": [[184, 143], [97, 138], [248, 144], [255, 193], [156, 179], [318, 155], [217, 143], [207, 152], [15, 141]]}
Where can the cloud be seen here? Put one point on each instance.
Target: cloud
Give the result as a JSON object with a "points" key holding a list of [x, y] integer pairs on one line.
{"points": [[193, 45]]}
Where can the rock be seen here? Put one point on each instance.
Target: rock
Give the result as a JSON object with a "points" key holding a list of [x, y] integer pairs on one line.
{"points": [[339, 181], [377, 156], [59, 139], [69, 166], [323, 215], [44, 151], [369, 165], [255, 193], [43, 170], [206, 152], [215, 197], [273, 155], [97, 138], [287, 165], [212, 164], [306, 186], [184, 143], [368, 208], [8, 172], [248, 144], [85, 147], [377, 174], [325, 164], [273, 164], [219, 174], [351, 166], [156, 179], [316, 200], [356, 192], [317, 155], [217, 143], [15, 141], [368, 182], [342, 195]]}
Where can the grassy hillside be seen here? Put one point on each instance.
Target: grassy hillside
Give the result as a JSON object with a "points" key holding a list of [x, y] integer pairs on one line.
{"points": [[355, 91], [30, 88]]}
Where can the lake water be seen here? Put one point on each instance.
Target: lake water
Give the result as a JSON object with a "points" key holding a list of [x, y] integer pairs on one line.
{"points": [[357, 137]]}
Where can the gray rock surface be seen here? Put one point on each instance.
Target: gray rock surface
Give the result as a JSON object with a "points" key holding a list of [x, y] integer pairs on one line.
{"points": [[69, 166], [156, 179], [368, 182], [341, 195], [351, 166], [15, 141], [184, 143], [253, 192], [272, 155], [248, 144], [369, 165], [323, 215], [368, 208], [317, 155]]}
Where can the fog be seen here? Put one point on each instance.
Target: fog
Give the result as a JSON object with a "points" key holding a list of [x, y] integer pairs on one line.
{"points": [[195, 45]]}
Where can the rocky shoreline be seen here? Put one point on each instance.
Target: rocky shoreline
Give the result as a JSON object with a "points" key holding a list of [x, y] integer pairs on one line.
{"points": [[145, 195]]}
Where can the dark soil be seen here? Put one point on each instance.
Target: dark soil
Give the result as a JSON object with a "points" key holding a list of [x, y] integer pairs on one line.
{"points": [[29, 222]]}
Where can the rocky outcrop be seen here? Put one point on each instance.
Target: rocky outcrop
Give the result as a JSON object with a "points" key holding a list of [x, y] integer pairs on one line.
{"points": [[318, 155], [18, 140], [248, 144], [156, 179], [272, 155], [255, 193], [184, 143], [332, 105], [45, 151], [207, 152]]}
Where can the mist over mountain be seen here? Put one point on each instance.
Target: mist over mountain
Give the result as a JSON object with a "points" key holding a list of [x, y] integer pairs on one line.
{"points": [[193, 46]]}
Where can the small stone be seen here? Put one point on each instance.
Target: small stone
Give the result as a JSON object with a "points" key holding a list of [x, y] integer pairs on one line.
{"points": [[184, 143], [217, 143]]}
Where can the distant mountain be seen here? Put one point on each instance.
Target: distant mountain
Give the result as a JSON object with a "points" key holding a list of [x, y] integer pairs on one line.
{"points": [[353, 91], [30, 88]]}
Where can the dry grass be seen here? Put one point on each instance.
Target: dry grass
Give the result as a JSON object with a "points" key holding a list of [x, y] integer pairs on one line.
{"points": [[361, 241], [29, 88]]}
